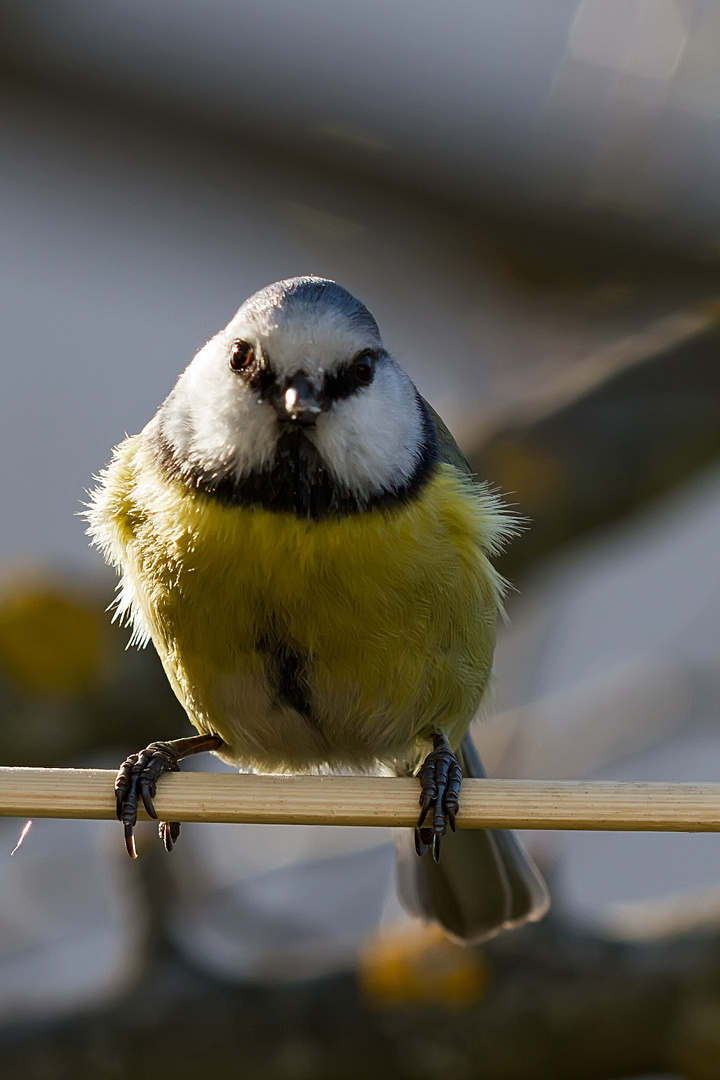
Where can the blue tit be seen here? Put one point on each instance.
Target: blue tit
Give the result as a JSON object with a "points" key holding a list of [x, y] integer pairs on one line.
{"points": [[298, 534]]}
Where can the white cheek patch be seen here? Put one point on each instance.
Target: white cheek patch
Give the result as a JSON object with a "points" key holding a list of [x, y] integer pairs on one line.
{"points": [[216, 420], [371, 441]]}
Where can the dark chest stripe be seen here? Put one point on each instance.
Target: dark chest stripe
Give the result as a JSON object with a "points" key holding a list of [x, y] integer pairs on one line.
{"points": [[286, 670], [297, 482]]}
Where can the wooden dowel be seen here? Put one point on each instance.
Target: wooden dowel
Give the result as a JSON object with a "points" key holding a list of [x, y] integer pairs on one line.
{"points": [[366, 800]]}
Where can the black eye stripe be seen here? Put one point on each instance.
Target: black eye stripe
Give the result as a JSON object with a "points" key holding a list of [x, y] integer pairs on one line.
{"points": [[253, 366], [261, 379], [350, 378]]}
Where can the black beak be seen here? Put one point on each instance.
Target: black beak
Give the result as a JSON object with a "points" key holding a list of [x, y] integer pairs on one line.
{"points": [[296, 402]]}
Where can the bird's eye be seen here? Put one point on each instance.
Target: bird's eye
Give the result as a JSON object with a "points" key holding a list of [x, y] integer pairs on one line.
{"points": [[363, 368], [242, 356]]}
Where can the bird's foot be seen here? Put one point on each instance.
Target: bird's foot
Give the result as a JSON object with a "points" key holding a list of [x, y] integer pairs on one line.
{"points": [[137, 779], [440, 776]]}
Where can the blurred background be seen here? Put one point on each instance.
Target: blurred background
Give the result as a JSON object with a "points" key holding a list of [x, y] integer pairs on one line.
{"points": [[527, 196]]}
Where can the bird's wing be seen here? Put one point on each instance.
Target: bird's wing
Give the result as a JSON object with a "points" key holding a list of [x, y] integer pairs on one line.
{"points": [[450, 452]]}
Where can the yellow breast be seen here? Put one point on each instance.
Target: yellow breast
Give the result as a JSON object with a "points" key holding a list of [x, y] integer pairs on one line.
{"points": [[340, 641]]}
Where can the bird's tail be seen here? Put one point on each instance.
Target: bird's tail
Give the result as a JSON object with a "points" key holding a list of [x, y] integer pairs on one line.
{"points": [[485, 882]]}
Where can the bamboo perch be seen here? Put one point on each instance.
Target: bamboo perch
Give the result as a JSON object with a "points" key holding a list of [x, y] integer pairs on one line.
{"points": [[369, 800]]}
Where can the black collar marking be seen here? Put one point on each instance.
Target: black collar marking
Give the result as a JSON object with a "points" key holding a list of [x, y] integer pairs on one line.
{"points": [[297, 482]]}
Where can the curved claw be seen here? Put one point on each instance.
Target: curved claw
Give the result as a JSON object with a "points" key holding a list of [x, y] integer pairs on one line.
{"points": [[168, 831], [129, 830], [426, 802]]}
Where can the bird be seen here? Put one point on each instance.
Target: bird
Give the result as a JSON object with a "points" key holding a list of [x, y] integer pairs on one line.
{"points": [[302, 540]]}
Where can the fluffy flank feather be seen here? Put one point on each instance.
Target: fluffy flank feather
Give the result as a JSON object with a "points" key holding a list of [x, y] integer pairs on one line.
{"points": [[111, 521]]}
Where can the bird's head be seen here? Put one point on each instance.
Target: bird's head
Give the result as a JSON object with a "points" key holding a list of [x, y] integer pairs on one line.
{"points": [[298, 381]]}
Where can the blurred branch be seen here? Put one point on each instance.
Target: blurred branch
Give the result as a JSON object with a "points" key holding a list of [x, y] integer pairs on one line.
{"points": [[367, 800], [613, 431]]}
